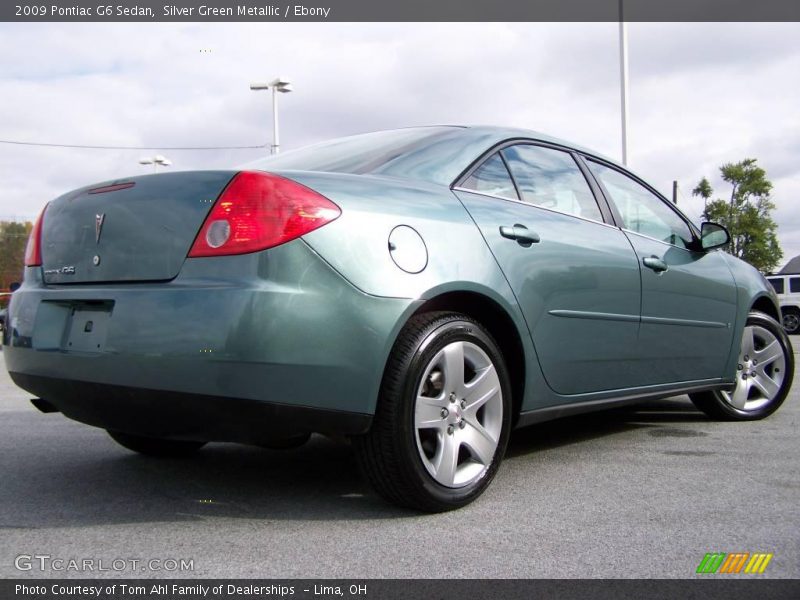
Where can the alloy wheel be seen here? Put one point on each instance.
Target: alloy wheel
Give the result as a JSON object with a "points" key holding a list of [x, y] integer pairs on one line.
{"points": [[760, 370], [458, 414]]}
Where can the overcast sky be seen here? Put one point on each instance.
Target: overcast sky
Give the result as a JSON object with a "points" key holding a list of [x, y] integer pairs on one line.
{"points": [[701, 95]]}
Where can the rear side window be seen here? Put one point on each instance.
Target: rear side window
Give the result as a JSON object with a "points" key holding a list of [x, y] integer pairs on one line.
{"points": [[551, 179], [794, 285], [777, 285], [492, 177]]}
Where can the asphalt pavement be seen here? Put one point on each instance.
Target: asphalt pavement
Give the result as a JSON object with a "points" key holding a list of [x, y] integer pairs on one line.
{"points": [[638, 492]]}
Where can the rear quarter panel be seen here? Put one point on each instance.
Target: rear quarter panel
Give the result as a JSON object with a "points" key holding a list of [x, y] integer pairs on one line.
{"points": [[357, 246]]}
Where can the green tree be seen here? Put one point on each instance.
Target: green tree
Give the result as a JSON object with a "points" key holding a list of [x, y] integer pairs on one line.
{"points": [[704, 190], [13, 238], [747, 213]]}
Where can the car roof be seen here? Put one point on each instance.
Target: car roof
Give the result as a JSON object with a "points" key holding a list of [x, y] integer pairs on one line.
{"points": [[496, 134], [434, 153], [504, 133]]}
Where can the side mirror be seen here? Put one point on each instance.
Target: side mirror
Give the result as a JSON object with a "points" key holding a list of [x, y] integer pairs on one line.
{"points": [[14, 286], [713, 235]]}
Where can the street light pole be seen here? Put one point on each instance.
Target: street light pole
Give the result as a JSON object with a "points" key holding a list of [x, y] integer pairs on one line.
{"points": [[623, 76], [284, 86], [156, 160], [276, 145]]}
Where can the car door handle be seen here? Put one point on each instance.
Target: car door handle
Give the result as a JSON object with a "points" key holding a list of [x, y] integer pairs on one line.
{"points": [[521, 234], [655, 263]]}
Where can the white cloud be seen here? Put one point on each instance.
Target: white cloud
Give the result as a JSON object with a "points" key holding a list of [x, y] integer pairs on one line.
{"points": [[701, 94]]}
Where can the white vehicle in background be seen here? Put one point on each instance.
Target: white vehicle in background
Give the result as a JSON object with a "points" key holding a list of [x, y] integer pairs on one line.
{"points": [[788, 289]]}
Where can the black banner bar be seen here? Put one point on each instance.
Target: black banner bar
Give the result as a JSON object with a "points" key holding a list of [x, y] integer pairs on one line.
{"points": [[401, 10], [730, 588]]}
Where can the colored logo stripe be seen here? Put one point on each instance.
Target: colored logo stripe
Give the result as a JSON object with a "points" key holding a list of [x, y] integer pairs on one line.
{"points": [[758, 564], [711, 562], [734, 562], [721, 562]]}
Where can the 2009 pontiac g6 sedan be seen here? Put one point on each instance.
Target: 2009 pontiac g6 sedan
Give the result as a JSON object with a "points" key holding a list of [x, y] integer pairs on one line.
{"points": [[423, 291]]}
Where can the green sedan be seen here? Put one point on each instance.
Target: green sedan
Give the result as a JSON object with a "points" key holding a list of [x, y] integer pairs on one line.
{"points": [[422, 291]]}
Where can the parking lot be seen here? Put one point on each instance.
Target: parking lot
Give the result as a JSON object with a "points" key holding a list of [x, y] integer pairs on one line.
{"points": [[637, 492]]}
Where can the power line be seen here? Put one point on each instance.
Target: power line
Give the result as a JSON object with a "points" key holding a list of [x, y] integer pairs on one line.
{"points": [[91, 147]]}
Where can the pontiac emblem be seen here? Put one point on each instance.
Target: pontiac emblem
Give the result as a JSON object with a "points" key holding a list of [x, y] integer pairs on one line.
{"points": [[98, 226]]}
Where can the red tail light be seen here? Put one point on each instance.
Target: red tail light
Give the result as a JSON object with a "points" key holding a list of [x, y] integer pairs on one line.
{"points": [[259, 211], [33, 251]]}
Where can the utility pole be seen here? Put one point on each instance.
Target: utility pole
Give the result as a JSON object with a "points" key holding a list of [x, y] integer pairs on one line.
{"points": [[675, 193], [623, 76]]}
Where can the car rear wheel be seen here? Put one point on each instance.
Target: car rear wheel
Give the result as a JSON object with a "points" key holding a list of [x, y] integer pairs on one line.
{"points": [[791, 320], [443, 417], [155, 446], [765, 368]]}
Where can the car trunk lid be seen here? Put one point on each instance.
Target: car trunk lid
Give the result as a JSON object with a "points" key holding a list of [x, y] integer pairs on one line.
{"points": [[133, 229]]}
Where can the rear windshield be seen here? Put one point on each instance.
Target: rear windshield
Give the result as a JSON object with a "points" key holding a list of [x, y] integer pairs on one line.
{"points": [[366, 153]]}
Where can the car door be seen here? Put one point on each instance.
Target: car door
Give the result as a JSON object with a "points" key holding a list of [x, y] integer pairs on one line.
{"points": [[688, 296], [575, 276]]}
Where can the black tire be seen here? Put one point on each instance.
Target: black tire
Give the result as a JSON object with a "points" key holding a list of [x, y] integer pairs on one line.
{"points": [[791, 320], [156, 446], [714, 404], [388, 454]]}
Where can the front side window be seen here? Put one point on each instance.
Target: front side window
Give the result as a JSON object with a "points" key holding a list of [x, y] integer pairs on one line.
{"points": [[551, 179], [777, 285], [794, 285], [641, 210], [492, 177]]}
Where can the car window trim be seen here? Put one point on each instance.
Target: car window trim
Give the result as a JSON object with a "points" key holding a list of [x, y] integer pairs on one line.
{"points": [[650, 237], [530, 205], [481, 165], [618, 216], [605, 211], [606, 208], [510, 174]]}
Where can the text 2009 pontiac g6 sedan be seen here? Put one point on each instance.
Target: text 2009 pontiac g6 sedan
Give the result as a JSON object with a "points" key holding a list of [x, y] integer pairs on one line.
{"points": [[423, 290]]}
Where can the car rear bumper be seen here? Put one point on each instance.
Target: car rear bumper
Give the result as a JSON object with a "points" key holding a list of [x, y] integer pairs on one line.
{"points": [[178, 415], [232, 349]]}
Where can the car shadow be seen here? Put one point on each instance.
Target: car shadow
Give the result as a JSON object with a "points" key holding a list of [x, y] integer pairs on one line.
{"points": [[652, 414], [59, 484], [72, 476]]}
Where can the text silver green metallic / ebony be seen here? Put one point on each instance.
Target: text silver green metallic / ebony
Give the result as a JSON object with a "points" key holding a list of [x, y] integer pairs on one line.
{"points": [[422, 290]]}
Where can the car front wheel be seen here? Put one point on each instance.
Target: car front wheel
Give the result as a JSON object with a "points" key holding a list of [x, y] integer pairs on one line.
{"points": [[443, 417], [764, 372]]}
